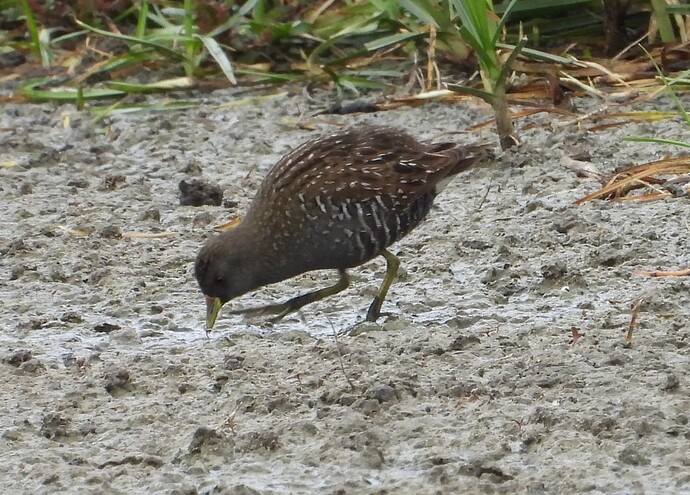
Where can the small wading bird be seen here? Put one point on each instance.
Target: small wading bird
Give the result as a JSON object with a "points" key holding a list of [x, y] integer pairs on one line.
{"points": [[333, 203]]}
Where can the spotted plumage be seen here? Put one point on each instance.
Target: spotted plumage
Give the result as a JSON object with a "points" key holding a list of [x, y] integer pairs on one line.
{"points": [[332, 203]]}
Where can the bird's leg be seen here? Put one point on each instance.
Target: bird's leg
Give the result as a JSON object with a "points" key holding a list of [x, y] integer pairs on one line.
{"points": [[392, 265], [298, 302]]}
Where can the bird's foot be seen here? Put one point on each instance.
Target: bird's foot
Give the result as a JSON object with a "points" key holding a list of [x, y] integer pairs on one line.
{"points": [[374, 309]]}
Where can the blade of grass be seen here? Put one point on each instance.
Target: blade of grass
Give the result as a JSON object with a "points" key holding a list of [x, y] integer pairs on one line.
{"points": [[356, 81], [502, 22], [44, 46], [391, 39], [80, 99], [65, 95], [540, 55], [474, 15], [508, 64], [236, 19], [525, 6], [425, 11], [33, 29], [190, 43], [468, 90], [162, 48], [674, 96], [155, 87], [663, 21], [658, 141], [69, 36], [141, 19], [219, 56], [583, 86], [116, 63], [268, 77]]}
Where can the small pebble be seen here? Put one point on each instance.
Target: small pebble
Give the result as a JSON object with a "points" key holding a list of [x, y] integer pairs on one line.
{"points": [[111, 182], [19, 357], [193, 169], [153, 214], [16, 272], [25, 188], [117, 380], [201, 219], [383, 393], [78, 182], [110, 232], [199, 192]]}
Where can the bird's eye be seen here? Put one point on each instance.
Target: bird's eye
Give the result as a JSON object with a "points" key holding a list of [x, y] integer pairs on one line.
{"points": [[220, 279]]}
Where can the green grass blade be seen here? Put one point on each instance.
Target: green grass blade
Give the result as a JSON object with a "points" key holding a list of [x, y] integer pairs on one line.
{"points": [[270, 77], [44, 47], [586, 88], [80, 99], [190, 43], [247, 7], [65, 95], [390, 40], [658, 141], [160, 18], [219, 56], [141, 19], [474, 15], [162, 48], [508, 64], [176, 83], [539, 55], [674, 96], [683, 9], [357, 81], [395, 74], [534, 8], [468, 90], [502, 22], [236, 19], [663, 21], [69, 36], [425, 11], [390, 9], [122, 61], [364, 26], [32, 27]]}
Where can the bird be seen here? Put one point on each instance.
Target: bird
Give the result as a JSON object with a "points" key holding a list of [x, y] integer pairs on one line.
{"points": [[335, 202]]}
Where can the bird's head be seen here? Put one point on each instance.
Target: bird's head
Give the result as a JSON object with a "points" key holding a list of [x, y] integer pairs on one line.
{"points": [[223, 271]]}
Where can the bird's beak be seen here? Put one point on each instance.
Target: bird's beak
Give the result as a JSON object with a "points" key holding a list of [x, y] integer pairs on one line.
{"points": [[213, 305]]}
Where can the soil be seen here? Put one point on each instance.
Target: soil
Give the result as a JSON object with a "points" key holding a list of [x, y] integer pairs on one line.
{"points": [[473, 383]]}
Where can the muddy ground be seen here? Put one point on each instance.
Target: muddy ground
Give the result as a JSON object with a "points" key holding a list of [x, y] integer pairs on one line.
{"points": [[471, 385]]}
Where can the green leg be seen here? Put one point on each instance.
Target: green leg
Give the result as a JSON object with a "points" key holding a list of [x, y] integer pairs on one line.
{"points": [[298, 302], [392, 265]]}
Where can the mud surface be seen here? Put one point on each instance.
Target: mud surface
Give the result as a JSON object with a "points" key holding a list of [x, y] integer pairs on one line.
{"points": [[470, 385]]}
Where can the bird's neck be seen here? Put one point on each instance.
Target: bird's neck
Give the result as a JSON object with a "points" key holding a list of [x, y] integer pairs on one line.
{"points": [[270, 260]]}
